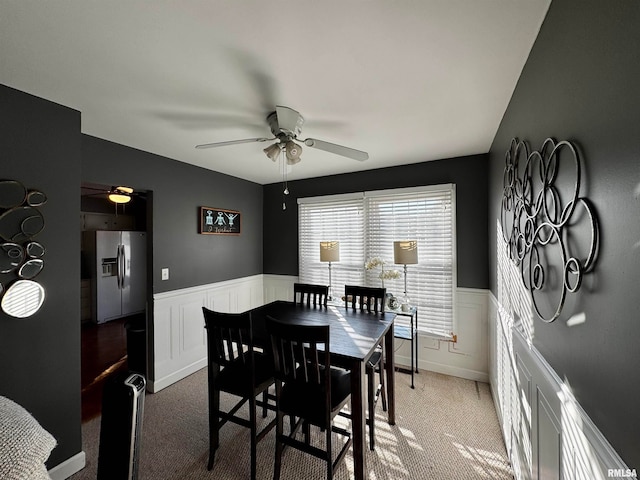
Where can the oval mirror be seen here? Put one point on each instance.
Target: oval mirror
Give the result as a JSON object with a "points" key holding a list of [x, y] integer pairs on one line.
{"points": [[12, 193], [11, 257], [21, 223], [35, 249], [31, 226], [35, 198], [31, 268], [23, 298]]}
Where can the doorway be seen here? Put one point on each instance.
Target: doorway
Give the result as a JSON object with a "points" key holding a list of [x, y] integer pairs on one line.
{"points": [[117, 343]]}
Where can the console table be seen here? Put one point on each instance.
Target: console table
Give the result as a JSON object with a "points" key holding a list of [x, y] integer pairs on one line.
{"points": [[409, 333]]}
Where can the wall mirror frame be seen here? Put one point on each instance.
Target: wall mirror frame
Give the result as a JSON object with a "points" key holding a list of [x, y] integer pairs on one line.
{"points": [[20, 255]]}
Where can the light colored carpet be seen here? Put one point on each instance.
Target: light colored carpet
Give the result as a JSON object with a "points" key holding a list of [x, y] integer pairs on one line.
{"points": [[446, 428]]}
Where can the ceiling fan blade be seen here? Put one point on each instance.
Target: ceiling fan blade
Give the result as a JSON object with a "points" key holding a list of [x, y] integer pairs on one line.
{"points": [[234, 142], [337, 149]]}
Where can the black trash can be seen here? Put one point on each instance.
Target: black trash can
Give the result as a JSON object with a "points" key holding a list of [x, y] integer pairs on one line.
{"points": [[137, 345]]}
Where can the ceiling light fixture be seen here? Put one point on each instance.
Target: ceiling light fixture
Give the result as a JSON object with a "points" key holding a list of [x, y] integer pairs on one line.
{"points": [[120, 194]]}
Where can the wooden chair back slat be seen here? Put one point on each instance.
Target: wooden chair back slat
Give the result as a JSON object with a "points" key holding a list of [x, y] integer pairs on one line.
{"points": [[371, 299], [310, 294], [229, 337], [296, 351]]}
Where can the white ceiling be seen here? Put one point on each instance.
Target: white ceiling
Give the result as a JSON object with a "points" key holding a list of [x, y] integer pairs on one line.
{"points": [[406, 81]]}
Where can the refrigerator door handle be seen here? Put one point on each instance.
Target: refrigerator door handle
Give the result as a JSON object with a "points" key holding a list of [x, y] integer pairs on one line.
{"points": [[120, 267], [124, 266]]}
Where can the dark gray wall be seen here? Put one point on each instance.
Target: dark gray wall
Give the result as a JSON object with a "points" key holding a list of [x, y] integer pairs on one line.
{"points": [[580, 83], [178, 190], [468, 173], [40, 355]]}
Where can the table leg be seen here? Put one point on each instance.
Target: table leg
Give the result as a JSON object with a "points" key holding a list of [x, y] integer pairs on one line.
{"points": [[413, 337], [417, 335], [358, 419], [391, 383]]}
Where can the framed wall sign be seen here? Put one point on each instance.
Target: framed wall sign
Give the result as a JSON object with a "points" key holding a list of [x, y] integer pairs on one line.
{"points": [[218, 221]]}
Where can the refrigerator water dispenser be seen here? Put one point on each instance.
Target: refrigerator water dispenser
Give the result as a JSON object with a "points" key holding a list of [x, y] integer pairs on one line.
{"points": [[109, 267]]}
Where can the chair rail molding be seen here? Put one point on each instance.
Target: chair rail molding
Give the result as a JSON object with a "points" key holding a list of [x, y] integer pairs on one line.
{"points": [[547, 433]]}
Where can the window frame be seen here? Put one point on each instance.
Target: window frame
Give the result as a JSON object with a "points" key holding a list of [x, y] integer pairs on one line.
{"points": [[312, 271]]}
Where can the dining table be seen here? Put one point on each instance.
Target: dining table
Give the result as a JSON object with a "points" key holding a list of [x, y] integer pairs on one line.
{"points": [[354, 335]]}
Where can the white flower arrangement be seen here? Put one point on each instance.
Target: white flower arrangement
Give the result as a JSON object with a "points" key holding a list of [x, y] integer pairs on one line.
{"points": [[389, 274], [384, 274], [373, 263]]}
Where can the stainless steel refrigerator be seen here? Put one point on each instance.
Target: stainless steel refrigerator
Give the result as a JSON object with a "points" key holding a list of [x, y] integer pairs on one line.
{"points": [[118, 262]]}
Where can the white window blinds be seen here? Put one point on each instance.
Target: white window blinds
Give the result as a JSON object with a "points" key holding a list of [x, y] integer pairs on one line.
{"points": [[339, 218], [366, 225], [427, 216]]}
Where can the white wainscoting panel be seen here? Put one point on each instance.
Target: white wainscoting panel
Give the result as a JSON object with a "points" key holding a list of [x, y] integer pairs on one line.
{"points": [[179, 339], [179, 342], [468, 357], [547, 433], [278, 287]]}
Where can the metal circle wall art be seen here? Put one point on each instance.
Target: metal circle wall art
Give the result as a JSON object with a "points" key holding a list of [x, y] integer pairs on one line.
{"points": [[20, 256], [551, 231]]}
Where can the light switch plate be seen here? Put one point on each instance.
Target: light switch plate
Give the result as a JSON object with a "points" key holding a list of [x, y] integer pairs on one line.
{"points": [[165, 274]]}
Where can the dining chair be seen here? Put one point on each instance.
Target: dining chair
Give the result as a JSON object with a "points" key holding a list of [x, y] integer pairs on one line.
{"points": [[309, 293], [372, 300], [308, 388], [235, 367]]}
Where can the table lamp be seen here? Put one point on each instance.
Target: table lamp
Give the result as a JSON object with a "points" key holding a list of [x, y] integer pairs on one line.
{"points": [[405, 252], [330, 252]]}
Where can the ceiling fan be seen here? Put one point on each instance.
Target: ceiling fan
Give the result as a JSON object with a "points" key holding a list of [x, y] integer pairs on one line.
{"points": [[286, 124]]}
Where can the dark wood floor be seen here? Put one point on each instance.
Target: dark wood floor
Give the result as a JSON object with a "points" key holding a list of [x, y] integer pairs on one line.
{"points": [[104, 352]]}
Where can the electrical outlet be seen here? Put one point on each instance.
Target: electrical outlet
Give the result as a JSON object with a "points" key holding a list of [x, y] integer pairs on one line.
{"points": [[165, 274]]}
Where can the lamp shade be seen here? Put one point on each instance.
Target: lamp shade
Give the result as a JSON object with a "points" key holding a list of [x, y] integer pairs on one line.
{"points": [[330, 251], [272, 151], [405, 252]]}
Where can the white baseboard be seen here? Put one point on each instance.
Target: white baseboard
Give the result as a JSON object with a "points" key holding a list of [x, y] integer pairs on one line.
{"points": [[454, 371], [158, 384], [69, 467]]}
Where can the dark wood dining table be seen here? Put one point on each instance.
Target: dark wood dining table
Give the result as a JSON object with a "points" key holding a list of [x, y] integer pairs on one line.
{"points": [[354, 336]]}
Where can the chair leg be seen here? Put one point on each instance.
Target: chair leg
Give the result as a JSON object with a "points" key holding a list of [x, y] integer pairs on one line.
{"points": [[307, 432], [329, 454], [278, 453], [254, 434], [264, 403], [383, 388], [371, 392], [214, 425]]}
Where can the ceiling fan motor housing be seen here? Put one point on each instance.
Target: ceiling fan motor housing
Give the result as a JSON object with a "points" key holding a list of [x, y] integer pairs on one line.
{"points": [[285, 122]]}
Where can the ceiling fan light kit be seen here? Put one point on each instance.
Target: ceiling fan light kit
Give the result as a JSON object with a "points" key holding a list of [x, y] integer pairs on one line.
{"points": [[120, 194]]}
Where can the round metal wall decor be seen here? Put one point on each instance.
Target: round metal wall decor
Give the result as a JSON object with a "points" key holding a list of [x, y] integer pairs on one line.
{"points": [[544, 221], [20, 256]]}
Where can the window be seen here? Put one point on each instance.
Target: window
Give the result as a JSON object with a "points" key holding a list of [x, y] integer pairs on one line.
{"points": [[366, 225]]}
